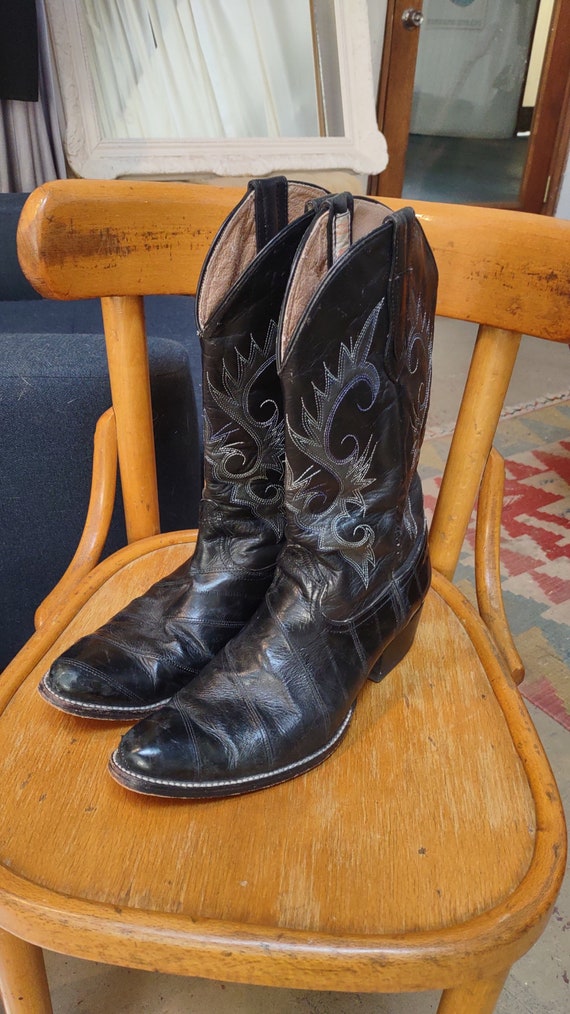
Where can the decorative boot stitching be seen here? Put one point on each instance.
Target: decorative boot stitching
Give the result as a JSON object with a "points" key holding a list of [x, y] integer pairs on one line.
{"points": [[351, 472], [223, 450]]}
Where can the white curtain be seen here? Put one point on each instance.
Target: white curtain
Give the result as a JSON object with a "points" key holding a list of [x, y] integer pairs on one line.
{"points": [[202, 68], [31, 150]]}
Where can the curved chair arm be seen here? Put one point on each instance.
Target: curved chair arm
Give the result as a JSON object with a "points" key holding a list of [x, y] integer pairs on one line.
{"points": [[488, 565]]}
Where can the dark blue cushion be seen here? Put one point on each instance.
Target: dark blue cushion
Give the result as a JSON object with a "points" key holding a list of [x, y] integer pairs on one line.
{"points": [[166, 317], [13, 283], [53, 388]]}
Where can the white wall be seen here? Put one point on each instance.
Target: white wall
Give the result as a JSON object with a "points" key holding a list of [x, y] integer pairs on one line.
{"points": [[539, 41]]}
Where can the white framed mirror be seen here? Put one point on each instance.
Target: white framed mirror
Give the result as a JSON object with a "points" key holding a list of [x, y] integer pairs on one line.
{"points": [[175, 88]]}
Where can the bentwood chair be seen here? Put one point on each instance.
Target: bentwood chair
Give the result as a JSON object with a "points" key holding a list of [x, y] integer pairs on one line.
{"points": [[428, 851]]}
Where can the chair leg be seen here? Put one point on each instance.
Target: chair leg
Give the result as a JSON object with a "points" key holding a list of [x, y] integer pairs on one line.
{"points": [[23, 981], [475, 998]]}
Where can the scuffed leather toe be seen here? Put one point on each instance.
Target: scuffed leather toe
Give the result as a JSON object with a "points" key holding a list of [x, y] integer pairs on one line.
{"points": [[79, 688], [157, 755]]}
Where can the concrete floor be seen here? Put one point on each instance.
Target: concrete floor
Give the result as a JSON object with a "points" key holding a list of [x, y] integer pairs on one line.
{"points": [[538, 984], [465, 170]]}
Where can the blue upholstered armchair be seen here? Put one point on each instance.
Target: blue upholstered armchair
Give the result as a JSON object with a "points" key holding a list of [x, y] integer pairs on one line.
{"points": [[53, 382]]}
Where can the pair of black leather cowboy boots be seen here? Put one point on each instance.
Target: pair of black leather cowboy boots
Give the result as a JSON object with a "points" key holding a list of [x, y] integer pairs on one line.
{"points": [[315, 314]]}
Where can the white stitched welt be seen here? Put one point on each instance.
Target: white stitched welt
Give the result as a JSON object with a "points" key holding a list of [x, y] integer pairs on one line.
{"points": [[103, 707], [247, 778]]}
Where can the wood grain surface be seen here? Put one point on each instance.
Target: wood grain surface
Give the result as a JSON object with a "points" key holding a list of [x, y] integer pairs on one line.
{"points": [[428, 850]]}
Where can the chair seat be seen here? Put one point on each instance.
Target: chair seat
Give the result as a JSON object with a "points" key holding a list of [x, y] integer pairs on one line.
{"points": [[435, 797]]}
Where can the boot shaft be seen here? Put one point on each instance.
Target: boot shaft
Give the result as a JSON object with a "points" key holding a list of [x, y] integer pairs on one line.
{"points": [[238, 303], [354, 352]]}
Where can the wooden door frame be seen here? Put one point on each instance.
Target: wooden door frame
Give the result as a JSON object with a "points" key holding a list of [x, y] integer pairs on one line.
{"points": [[394, 102], [550, 128]]}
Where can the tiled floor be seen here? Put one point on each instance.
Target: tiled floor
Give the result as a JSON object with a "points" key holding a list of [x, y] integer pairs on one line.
{"points": [[538, 984]]}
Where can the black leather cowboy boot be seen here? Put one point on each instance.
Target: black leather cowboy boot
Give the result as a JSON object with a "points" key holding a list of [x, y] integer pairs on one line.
{"points": [[165, 637], [355, 344]]}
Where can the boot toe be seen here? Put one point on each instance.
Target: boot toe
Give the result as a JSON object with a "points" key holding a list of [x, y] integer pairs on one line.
{"points": [[79, 688], [170, 754], [157, 756], [194, 753]]}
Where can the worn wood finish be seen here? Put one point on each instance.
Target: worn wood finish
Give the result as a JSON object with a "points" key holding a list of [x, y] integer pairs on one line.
{"points": [[23, 982], [496, 267], [83, 238], [444, 904], [428, 851], [488, 564], [94, 237], [98, 520]]}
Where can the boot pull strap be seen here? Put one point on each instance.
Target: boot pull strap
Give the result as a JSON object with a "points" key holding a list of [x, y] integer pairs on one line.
{"points": [[339, 226], [271, 208], [341, 211]]}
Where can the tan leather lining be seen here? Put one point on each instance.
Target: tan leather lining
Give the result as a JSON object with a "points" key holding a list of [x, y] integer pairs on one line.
{"points": [[229, 258], [368, 216], [313, 262], [236, 247], [311, 267]]}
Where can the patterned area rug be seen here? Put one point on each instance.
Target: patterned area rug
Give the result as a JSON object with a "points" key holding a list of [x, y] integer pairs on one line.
{"points": [[535, 544]]}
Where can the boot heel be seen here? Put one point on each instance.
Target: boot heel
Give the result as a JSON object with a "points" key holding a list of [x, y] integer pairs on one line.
{"points": [[396, 650]]}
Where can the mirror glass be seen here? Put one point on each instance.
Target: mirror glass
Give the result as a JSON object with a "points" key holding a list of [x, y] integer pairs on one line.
{"points": [[214, 68]]}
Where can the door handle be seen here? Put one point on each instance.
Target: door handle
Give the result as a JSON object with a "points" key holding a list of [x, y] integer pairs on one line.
{"points": [[412, 18]]}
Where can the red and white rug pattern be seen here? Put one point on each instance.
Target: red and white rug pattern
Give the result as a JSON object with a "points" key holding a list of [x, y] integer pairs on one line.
{"points": [[535, 546]]}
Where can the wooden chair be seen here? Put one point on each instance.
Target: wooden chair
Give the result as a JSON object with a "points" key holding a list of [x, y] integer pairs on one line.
{"points": [[428, 851]]}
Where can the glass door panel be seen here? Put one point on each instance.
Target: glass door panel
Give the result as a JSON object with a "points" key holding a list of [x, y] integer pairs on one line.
{"points": [[468, 136]]}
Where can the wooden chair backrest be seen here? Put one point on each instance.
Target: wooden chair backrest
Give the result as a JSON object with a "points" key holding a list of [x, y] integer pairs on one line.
{"points": [[507, 271]]}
